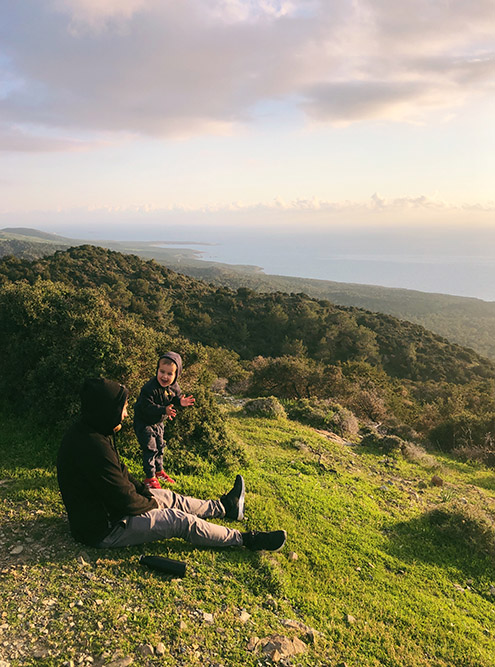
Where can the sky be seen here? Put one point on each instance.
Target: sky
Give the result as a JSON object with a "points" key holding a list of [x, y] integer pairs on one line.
{"points": [[125, 116]]}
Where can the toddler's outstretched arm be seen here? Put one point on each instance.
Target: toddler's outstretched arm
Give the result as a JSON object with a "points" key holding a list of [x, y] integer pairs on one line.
{"points": [[170, 411], [185, 401]]}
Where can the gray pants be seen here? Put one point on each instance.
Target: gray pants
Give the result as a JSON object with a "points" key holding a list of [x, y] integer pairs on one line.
{"points": [[176, 516], [151, 440]]}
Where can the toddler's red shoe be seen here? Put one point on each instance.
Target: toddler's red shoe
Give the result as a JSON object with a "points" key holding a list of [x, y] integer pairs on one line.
{"points": [[163, 475], [152, 483]]}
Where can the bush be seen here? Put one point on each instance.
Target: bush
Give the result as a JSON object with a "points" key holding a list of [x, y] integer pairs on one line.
{"points": [[197, 440], [388, 444], [368, 404], [344, 422], [286, 377], [264, 407], [323, 414], [52, 337], [465, 432], [480, 454], [226, 366]]}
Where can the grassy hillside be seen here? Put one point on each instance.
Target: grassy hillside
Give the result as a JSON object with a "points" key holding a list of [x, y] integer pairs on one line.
{"points": [[383, 566]]}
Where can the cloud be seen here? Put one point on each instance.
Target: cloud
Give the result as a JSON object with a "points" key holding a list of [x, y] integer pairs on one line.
{"points": [[376, 202], [23, 140], [174, 69]]}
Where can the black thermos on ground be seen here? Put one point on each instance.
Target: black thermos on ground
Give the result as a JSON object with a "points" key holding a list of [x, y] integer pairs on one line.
{"points": [[166, 565]]}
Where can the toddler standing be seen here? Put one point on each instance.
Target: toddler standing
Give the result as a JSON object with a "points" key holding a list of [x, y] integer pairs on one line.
{"points": [[159, 399]]}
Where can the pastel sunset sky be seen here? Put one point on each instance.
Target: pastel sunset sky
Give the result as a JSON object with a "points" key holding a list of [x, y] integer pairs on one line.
{"points": [[259, 112]]}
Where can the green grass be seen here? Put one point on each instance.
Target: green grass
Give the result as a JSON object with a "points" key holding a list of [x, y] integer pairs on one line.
{"points": [[410, 562]]}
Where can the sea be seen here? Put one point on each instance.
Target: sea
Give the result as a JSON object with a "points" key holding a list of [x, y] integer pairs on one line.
{"points": [[456, 260], [403, 261]]}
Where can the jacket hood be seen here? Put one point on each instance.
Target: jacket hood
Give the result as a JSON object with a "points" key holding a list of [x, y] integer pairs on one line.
{"points": [[176, 358], [102, 402]]}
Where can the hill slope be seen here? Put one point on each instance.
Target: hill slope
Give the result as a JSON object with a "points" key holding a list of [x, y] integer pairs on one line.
{"points": [[467, 321], [388, 569], [254, 324]]}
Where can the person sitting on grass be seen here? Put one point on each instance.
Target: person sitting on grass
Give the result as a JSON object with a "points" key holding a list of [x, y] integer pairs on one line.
{"points": [[158, 400], [108, 507]]}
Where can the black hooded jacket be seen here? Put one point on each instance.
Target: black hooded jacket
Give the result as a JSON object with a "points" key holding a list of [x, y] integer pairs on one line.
{"points": [[153, 399], [96, 487]]}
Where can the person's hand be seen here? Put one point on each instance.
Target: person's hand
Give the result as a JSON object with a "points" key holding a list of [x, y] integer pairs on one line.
{"points": [[170, 411], [185, 401]]}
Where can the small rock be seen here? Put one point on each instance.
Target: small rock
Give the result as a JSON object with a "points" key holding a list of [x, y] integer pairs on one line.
{"points": [[310, 633], [436, 481], [207, 618], [350, 619], [182, 626], [160, 649], [146, 650], [39, 653], [292, 556], [49, 602], [244, 616], [293, 625], [253, 643], [277, 647], [15, 551], [121, 662]]}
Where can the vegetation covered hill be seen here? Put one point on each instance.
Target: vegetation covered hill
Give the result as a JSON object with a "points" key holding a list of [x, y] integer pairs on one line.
{"points": [[468, 322], [110, 313], [255, 324]]}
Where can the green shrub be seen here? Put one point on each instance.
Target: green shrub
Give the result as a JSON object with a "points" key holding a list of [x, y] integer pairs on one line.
{"points": [[388, 444], [197, 439], [465, 431], [323, 414], [52, 337], [265, 407]]}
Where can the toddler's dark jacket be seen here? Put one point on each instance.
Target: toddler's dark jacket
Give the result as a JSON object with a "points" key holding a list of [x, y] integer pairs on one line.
{"points": [[97, 489], [153, 399]]}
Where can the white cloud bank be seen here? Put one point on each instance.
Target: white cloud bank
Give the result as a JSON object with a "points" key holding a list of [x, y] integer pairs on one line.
{"points": [[101, 68]]}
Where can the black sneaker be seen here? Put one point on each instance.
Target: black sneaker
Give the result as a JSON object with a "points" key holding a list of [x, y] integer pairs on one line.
{"points": [[233, 501], [258, 541]]}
